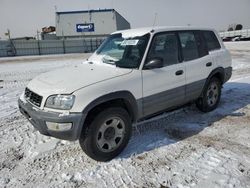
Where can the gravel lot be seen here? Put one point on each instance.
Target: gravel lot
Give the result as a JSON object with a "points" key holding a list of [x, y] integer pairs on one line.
{"points": [[182, 148]]}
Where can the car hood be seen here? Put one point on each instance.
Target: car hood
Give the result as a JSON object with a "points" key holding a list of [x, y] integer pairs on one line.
{"points": [[69, 79]]}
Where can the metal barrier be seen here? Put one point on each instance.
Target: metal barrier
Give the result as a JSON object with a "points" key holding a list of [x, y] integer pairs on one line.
{"points": [[43, 47], [242, 33]]}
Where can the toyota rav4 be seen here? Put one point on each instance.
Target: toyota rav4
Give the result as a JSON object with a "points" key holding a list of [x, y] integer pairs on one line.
{"points": [[134, 75]]}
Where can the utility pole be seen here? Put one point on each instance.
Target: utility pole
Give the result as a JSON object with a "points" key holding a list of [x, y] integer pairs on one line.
{"points": [[8, 33], [37, 34], [13, 49]]}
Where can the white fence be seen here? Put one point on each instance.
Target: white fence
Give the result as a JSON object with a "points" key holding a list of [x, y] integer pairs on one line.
{"points": [[241, 33]]}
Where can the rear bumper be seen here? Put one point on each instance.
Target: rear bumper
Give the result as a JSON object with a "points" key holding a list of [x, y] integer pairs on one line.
{"points": [[38, 119], [228, 73]]}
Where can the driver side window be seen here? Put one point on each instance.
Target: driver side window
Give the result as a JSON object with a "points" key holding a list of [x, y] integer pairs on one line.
{"points": [[165, 47]]}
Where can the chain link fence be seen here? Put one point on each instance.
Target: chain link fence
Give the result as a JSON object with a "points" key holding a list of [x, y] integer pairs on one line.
{"points": [[44, 47]]}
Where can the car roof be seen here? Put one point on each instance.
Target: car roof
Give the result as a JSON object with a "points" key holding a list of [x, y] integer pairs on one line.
{"points": [[156, 29]]}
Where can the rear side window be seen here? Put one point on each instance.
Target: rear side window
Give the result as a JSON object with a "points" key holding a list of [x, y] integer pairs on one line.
{"points": [[211, 40], [189, 45], [201, 44]]}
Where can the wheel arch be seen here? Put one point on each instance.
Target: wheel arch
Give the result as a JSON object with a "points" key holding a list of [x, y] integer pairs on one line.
{"points": [[219, 73], [120, 98]]}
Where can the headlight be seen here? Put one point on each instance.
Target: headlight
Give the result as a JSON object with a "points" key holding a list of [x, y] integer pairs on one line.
{"points": [[61, 102]]}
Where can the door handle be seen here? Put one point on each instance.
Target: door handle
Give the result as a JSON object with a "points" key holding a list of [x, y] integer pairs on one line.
{"points": [[209, 64], [179, 72]]}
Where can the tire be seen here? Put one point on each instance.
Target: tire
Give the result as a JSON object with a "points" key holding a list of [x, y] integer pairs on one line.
{"points": [[107, 135], [210, 97]]}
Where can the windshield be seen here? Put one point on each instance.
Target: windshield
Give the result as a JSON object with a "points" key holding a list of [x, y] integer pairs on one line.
{"points": [[125, 53]]}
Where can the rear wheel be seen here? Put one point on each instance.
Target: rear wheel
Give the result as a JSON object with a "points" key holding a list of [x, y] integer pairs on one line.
{"points": [[211, 96], [107, 135]]}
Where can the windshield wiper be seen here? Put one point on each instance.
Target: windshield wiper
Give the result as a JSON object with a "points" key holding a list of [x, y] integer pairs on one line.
{"points": [[108, 60], [126, 66]]}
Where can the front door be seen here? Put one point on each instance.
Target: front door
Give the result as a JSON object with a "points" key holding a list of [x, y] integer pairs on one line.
{"points": [[163, 87]]}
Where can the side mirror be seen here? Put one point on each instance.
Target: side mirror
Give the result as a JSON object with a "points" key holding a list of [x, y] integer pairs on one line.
{"points": [[154, 63]]}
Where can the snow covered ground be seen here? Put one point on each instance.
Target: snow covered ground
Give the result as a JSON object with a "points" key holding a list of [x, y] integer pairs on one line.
{"points": [[182, 148]]}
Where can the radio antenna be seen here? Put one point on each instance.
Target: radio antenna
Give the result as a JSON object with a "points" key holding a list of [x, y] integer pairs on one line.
{"points": [[112, 4], [155, 19]]}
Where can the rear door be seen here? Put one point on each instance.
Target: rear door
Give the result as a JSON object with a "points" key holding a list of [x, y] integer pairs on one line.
{"points": [[163, 87], [213, 46], [197, 61]]}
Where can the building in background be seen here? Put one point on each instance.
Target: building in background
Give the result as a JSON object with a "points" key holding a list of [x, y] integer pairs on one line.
{"points": [[89, 24], [87, 28]]}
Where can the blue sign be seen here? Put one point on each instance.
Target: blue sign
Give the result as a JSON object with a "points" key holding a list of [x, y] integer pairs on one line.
{"points": [[89, 27]]}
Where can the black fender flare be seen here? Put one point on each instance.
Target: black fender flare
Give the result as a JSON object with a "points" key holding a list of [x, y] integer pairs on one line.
{"points": [[126, 96], [221, 72]]}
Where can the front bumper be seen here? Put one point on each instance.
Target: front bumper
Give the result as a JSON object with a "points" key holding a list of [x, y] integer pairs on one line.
{"points": [[38, 119]]}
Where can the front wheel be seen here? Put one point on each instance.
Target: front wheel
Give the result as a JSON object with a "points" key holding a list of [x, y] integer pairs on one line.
{"points": [[107, 135], [211, 96]]}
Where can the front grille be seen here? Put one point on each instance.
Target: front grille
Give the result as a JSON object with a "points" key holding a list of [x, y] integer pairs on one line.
{"points": [[33, 97]]}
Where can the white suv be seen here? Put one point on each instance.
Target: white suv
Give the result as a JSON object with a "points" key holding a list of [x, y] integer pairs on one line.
{"points": [[135, 74]]}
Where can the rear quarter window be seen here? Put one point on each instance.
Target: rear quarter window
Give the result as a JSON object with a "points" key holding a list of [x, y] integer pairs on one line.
{"points": [[201, 43], [211, 40]]}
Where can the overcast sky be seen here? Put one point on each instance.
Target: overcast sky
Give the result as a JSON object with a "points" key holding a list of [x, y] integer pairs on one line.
{"points": [[25, 17]]}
